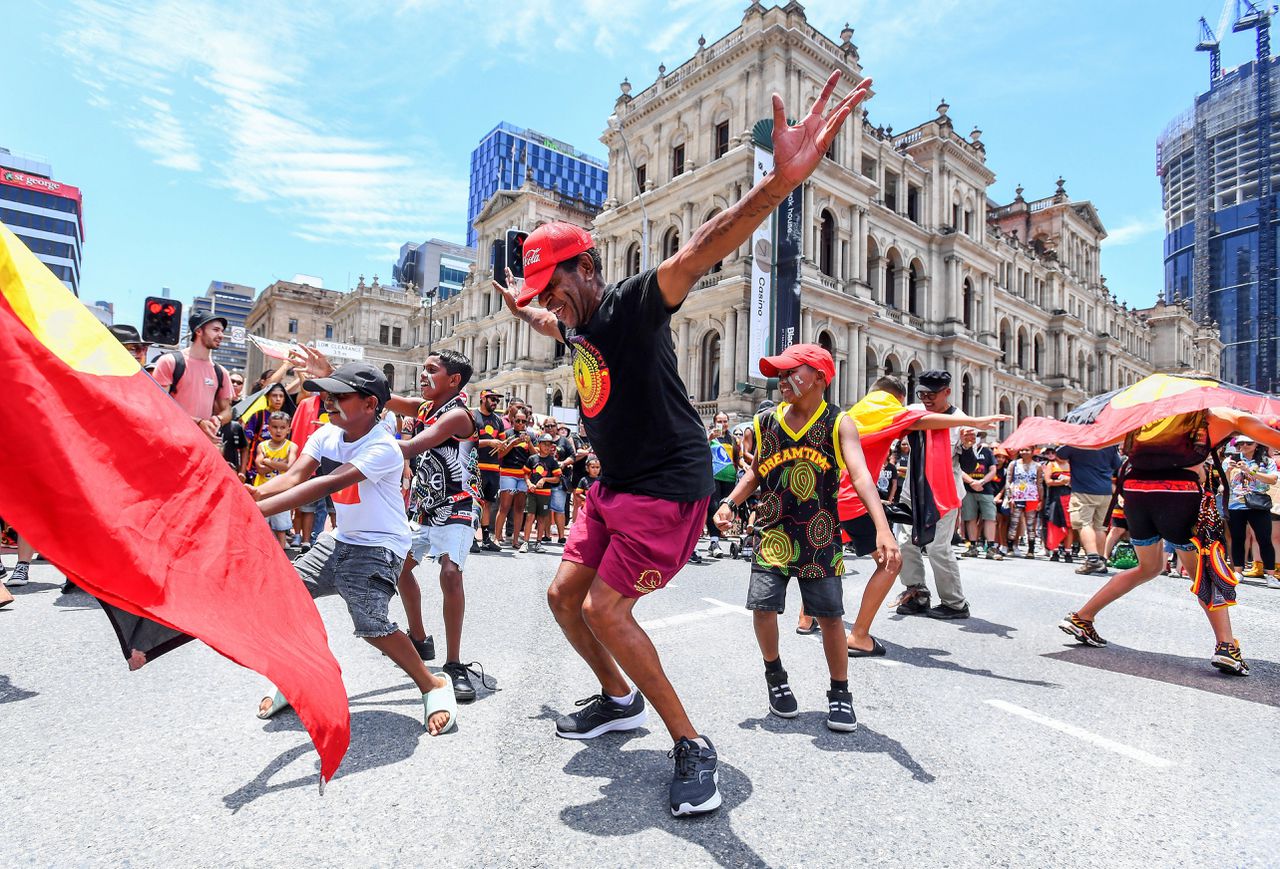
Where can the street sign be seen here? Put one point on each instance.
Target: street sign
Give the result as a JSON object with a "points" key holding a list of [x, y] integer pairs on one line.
{"points": [[353, 352], [237, 334]]}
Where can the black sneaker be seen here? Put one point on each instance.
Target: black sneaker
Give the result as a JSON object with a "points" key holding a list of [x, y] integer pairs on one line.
{"points": [[545, 540], [600, 714], [970, 552], [69, 587], [490, 546], [475, 546], [4, 571], [20, 575], [944, 611], [463, 690], [1055, 555], [781, 701], [840, 715], [1082, 630], [1092, 566], [993, 554], [694, 786], [426, 648], [695, 558], [1068, 557], [561, 541], [1227, 658], [913, 602]]}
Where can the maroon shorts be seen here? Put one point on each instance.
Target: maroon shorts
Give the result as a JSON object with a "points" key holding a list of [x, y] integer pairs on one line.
{"points": [[635, 543]]}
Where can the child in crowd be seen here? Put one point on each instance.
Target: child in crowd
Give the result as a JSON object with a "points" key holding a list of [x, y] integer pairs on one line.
{"points": [[800, 448], [542, 472], [361, 560], [274, 457], [585, 484]]}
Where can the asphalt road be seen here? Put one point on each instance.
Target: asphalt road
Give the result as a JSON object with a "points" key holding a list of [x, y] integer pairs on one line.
{"points": [[994, 741]]}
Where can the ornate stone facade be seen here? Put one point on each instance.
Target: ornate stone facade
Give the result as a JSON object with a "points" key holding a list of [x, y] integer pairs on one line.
{"points": [[288, 311]]}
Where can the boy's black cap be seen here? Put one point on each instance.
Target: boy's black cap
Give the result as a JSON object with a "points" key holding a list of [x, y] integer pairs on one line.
{"points": [[203, 318], [546, 439], [934, 379], [353, 377], [127, 335]]}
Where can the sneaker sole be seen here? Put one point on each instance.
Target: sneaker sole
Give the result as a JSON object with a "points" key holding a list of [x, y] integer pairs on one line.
{"points": [[840, 727], [710, 805], [1230, 667], [629, 723], [1072, 630], [782, 714], [16, 583]]}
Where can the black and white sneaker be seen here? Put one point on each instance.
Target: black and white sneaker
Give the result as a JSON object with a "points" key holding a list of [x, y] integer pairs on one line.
{"points": [[695, 784], [781, 701], [840, 715], [426, 648], [475, 546], [463, 690], [4, 571], [601, 714], [20, 575], [714, 550], [695, 558]]}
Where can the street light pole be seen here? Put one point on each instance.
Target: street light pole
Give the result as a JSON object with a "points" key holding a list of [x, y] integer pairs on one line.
{"points": [[430, 298], [616, 126]]}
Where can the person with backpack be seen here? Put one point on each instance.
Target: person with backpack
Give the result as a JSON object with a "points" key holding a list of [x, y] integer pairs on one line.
{"points": [[1168, 495], [196, 382]]}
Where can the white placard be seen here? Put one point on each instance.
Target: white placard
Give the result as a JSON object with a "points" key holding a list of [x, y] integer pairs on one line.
{"points": [[272, 349], [760, 313], [353, 352]]}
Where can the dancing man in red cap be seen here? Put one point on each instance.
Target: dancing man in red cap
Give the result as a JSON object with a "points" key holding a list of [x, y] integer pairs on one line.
{"points": [[640, 523]]}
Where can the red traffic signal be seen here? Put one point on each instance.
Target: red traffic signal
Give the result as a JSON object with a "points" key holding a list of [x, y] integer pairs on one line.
{"points": [[161, 321], [515, 251]]}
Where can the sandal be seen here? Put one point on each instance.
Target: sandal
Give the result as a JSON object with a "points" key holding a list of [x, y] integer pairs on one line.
{"points": [[278, 705], [441, 699], [812, 629], [876, 651]]}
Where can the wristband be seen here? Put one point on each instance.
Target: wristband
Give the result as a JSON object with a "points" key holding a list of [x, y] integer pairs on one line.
{"points": [[729, 502]]}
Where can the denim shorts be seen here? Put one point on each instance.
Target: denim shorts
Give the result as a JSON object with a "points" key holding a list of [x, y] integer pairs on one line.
{"points": [[513, 484], [559, 498], [823, 598], [431, 542], [363, 576], [280, 521]]}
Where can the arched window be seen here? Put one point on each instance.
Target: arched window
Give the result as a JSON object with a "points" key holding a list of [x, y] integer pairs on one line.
{"points": [[915, 290], [873, 269], [1006, 343], [871, 368], [913, 380], [633, 260], [1022, 348], [1022, 412], [827, 245], [710, 367], [1004, 409], [826, 343], [557, 398], [559, 351], [390, 371], [670, 243], [966, 394], [1037, 355], [967, 303], [890, 284]]}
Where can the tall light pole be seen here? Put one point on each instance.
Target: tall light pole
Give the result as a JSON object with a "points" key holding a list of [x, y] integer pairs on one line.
{"points": [[616, 126], [429, 299], [550, 393]]}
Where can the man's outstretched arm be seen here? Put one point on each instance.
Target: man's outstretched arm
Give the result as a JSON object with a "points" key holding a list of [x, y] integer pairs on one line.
{"points": [[796, 151]]}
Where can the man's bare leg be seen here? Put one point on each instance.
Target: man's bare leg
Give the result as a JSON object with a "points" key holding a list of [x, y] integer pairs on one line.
{"points": [[411, 597], [1150, 560], [397, 647], [610, 618], [455, 604], [1219, 619], [878, 588], [566, 597]]}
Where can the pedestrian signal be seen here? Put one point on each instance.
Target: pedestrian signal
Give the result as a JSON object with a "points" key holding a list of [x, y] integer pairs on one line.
{"points": [[161, 321], [515, 251]]}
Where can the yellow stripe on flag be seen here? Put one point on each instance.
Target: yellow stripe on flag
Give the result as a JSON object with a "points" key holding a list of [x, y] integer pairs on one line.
{"points": [[55, 316], [259, 404], [875, 412]]}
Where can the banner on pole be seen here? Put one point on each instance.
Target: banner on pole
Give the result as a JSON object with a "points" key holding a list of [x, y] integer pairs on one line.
{"points": [[760, 311], [786, 270]]}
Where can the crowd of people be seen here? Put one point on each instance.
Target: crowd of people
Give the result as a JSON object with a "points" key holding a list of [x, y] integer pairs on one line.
{"points": [[366, 486]]}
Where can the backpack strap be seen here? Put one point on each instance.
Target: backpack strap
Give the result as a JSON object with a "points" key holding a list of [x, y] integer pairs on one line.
{"points": [[179, 369]]}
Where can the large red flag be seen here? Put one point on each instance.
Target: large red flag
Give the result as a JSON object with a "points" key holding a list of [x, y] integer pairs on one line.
{"points": [[111, 480]]}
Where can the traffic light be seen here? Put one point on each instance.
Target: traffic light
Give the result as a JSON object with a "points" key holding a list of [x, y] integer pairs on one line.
{"points": [[161, 321], [515, 251]]}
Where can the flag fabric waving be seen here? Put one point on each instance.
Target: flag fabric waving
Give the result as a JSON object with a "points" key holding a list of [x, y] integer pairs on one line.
{"points": [[880, 418], [138, 507], [1106, 419]]}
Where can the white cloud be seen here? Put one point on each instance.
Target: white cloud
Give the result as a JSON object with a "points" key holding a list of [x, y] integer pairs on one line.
{"points": [[235, 82], [1134, 228]]}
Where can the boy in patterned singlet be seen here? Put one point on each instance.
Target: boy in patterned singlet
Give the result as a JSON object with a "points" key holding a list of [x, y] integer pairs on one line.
{"points": [[802, 445]]}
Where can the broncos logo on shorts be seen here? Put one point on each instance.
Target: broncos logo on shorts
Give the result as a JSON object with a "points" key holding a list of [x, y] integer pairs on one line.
{"points": [[650, 580]]}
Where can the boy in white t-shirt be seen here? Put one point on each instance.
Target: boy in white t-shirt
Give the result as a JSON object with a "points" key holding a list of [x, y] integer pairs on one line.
{"points": [[361, 560]]}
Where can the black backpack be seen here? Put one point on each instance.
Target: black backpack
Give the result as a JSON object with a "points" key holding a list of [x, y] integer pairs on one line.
{"points": [[180, 368]]}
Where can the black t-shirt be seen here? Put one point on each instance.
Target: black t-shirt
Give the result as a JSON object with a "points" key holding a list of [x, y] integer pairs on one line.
{"points": [[488, 427], [540, 468], [635, 407], [234, 440], [975, 464]]}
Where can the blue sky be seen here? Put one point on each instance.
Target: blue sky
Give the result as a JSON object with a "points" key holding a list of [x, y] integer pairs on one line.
{"points": [[250, 141]]}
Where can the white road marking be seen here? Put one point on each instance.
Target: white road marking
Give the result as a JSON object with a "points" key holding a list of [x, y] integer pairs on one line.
{"points": [[884, 663], [721, 608], [1041, 588], [1082, 734]]}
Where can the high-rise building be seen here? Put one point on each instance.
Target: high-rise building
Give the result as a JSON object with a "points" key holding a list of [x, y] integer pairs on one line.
{"points": [[1208, 161], [507, 155], [434, 265], [45, 214], [234, 302]]}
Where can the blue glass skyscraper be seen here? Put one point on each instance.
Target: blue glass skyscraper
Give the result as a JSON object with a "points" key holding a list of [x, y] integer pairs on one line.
{"points": [[507, 154]]}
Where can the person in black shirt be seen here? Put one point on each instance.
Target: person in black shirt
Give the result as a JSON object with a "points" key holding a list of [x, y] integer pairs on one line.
{"points": [[641, 522], [488, 441], [513, 452], [978, 468]]}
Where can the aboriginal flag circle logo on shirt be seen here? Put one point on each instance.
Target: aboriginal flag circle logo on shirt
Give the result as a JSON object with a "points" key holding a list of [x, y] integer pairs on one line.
{"points": [[590, 375]]}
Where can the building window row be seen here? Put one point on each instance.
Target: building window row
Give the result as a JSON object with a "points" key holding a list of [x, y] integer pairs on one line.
{"points": [[11, 218]]}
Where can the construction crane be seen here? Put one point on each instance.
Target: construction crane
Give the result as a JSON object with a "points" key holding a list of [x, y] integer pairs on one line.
{"points": [[1209, 42], [1249, 16]]}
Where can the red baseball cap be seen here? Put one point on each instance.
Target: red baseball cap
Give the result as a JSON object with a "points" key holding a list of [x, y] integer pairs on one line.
{"points": [[795, 356], [544, 249]]}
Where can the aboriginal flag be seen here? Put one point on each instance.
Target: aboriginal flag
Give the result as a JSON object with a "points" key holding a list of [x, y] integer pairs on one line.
{"points": [[881, 418], [138, 508]]}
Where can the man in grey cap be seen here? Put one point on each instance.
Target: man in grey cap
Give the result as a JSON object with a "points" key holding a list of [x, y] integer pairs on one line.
{"points": [[195, 381], [934, 392]]}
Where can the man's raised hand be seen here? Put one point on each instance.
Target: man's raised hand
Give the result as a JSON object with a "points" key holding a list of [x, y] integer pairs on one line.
{"points": [[510, 292], [310, 361], [797, 150]]}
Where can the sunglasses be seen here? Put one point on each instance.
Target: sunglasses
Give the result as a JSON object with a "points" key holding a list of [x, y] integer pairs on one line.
{"points": [[926, 393]]}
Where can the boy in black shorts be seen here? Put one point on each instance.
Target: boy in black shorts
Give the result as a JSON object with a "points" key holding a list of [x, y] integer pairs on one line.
{"points": [[800, 449], [543, 475]]}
